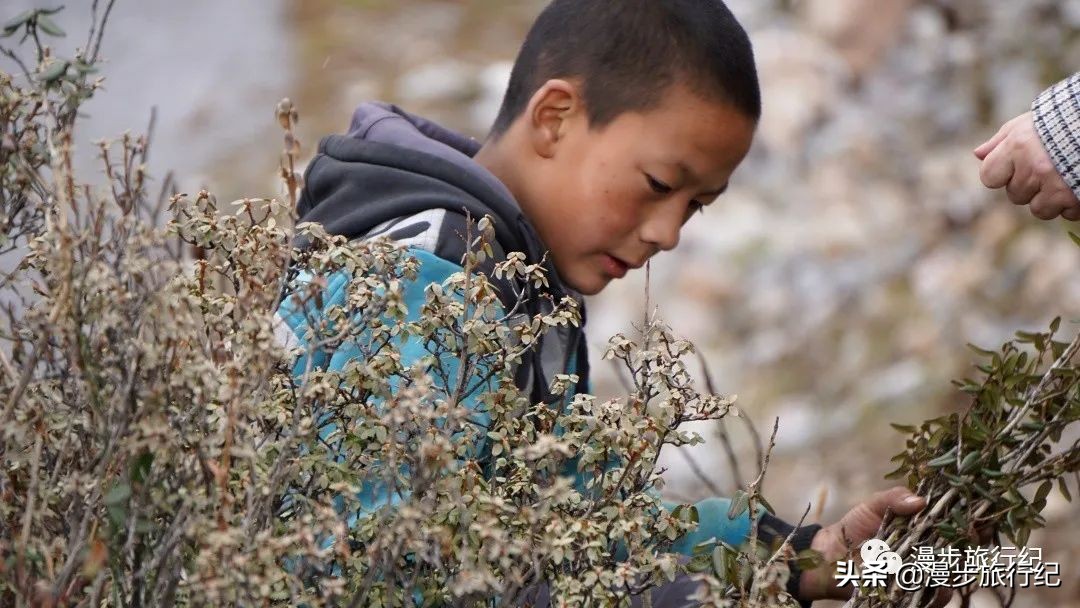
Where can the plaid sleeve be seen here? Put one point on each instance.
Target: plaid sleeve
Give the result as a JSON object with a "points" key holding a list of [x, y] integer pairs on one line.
{"points": [[1057, 119]]}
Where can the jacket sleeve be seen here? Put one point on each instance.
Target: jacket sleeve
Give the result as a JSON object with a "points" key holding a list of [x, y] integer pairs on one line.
{"points": [[1056, 112], [715, 523]]}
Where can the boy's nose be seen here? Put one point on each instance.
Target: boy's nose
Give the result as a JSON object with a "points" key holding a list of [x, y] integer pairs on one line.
{"points": [[661, 228]]}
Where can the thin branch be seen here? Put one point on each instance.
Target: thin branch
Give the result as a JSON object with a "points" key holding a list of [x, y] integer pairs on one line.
{"points": [[93, 57], [725, 439]]}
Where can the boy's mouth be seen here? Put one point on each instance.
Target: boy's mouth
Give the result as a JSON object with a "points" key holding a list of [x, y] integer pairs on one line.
{"points": [[615, 267]]}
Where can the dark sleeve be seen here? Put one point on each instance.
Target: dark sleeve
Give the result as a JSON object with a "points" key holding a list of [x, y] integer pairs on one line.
{"points": [[773, 530]]}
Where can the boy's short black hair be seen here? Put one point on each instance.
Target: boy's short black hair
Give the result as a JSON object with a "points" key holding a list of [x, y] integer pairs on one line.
{"points": [[627, 53]]}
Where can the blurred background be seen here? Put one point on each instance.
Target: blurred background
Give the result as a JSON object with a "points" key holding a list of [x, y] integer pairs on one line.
{"points": [[834, 286]]}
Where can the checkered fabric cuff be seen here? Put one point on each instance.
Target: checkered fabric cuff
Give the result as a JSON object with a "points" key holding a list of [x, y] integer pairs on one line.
{"points": [[1057, 120]]}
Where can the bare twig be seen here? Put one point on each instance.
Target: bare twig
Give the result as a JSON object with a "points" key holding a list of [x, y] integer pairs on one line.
{"points": [[93, 57]]}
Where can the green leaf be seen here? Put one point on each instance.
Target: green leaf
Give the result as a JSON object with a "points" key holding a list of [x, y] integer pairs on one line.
{"points": [[969, 462], [985, 493], [903, 428], [49, 26], [117, 516], [116, 505], [1043, 491], [1026, 336], [1055, 325], [898, 473], [1022, 536], [13, 25], [946, 528], [1014, 498], [84, 68], [1075, 238], [766, 504], [54, 72], [118, 494], [955, 480], [718, 559], [937, 437], [944, 460], [1064, 489], [141, 467], [739, 503], [808, 559]]}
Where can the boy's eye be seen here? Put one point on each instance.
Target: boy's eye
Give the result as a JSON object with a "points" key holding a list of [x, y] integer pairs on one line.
{"points": [[658, 186]]}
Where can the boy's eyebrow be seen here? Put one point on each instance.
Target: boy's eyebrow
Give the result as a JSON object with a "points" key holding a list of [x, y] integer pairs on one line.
{"points": [[685, 169]]}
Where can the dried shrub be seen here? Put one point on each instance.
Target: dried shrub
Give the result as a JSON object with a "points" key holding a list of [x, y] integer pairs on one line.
{"points": [[162, 446]]}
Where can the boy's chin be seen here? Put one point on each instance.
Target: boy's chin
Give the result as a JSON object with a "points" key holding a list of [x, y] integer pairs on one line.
{"points": [[589, 285]]}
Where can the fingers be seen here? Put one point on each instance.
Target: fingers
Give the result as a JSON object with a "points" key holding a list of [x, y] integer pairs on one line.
{"points": [[1023, 185], [901, 500], [1015, 159], [1048, 204], [989, 145], [1060, 196], [997, 168], [1044, 207]]}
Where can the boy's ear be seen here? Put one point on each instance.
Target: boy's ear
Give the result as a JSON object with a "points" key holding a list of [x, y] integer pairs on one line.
{"points": [[550, 112]]}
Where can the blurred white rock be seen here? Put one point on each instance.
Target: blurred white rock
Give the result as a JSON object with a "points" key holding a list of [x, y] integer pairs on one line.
{"points": [[443, 81], [492, 82], [801, 79]]}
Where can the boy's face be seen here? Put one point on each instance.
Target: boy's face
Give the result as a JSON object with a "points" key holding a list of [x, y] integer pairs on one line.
{"points": [[606, 200]]}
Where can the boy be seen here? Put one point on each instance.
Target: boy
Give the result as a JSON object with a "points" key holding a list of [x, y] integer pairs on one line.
{"points": [[621, 120]]}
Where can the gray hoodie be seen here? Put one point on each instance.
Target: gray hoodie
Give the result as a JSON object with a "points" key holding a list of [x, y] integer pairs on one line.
{"points": [[405, 177]]}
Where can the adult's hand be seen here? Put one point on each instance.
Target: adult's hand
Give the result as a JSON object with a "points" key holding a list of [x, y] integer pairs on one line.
{"points": [[1015, 159]]}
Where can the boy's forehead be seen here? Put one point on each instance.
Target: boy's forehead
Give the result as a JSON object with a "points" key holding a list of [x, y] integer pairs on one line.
{"points": [[682, 113], [695, 139]]}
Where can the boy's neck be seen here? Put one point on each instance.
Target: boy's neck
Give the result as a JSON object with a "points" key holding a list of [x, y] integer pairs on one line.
{"points": [[494, 155]]}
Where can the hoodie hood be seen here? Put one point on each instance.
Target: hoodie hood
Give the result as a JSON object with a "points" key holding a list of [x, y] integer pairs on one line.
{"points": [[393, 164]]}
